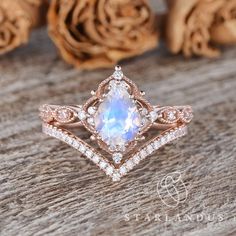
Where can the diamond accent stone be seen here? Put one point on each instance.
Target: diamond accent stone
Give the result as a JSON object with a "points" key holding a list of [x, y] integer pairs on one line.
{"points": [[117, 119], [76, 144], [171, 115], [102, 164], [96, 159], [109, 170], [157, 144], [144, 111], [143, 154], [82, 115], [129, 164], [64, 115], [82, 149], [150, 149], [123, 170], [153, 115], [118, 74], [90, 120], [117, 157], [92, 110], [116, 177], [136, 159], [89, 153], [163, 140]]}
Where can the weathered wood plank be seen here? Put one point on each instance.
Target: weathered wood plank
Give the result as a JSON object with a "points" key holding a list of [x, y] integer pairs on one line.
{"points": [[46, 188]]}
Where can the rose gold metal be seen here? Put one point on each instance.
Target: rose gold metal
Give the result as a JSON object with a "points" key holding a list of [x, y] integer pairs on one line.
{"points": [[166, 119]]}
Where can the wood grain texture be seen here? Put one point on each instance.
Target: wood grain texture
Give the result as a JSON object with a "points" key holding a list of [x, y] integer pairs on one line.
{"points": [[46, 188]]}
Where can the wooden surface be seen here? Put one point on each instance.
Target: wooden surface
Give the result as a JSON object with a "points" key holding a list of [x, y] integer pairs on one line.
{"points": [[46, 188]]}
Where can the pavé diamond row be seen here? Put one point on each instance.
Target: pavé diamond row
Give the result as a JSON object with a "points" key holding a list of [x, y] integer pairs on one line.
{"points": [[101, 162]]}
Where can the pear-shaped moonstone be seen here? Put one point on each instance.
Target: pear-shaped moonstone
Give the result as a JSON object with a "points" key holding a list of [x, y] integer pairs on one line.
{"points": [[117, 119]]}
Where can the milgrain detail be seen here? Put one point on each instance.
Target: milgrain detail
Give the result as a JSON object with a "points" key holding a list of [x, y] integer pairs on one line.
{"points": [[99, 160]]}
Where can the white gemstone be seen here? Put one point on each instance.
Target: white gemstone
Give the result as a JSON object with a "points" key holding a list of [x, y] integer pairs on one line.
{"points": [[52, 131], [153, 115], [144, 111], [82, 149], [136, 159], [117, 157], [143, 153], [163, 140], [178, 131], [92, 110], [82, 114], [73, 142], [169, 137], [116, 177], [118, 74], [61, 136], [171, 115], [55, 135], [157, 144], [103, 164], [90, 120], [89, 153], [172, 135], [76, 144], [123, 170], [70, 141], [166, 138], [149, 149], [129, 164], [96, 159], [66, 139], [109, 170]]}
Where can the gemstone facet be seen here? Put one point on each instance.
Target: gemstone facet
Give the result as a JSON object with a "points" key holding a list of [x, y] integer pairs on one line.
{"points": [[117, 119]]}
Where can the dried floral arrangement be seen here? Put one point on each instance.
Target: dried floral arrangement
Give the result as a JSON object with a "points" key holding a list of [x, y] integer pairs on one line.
{"points": [[198, 27], [98, 33], [17, 19]]}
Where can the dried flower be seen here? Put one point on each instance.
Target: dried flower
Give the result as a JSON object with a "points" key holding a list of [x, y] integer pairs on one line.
{"points": [[223, 30], [188, 26], [98, 33], [17, 18]]}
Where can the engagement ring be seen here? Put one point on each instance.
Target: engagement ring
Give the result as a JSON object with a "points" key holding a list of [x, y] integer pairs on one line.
{"points": [[124, 127]]}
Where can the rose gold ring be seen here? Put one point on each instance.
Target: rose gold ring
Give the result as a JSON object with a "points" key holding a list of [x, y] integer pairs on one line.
{"points": [[122, 125]]}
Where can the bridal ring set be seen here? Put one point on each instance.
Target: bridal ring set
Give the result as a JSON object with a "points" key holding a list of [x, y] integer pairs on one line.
{"points": [[124, 128]]}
